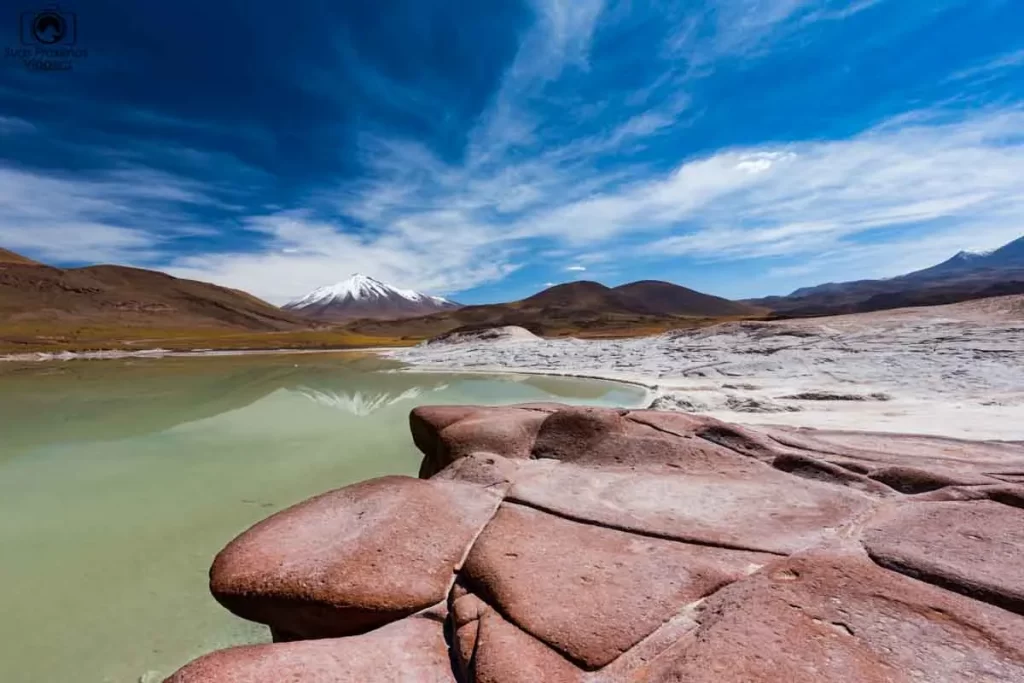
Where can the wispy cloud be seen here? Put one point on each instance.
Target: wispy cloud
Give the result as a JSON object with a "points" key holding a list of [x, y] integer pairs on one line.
{"points": [[433, 224], [10, 125], [122, 215], [1000, 64], [576, 158]]}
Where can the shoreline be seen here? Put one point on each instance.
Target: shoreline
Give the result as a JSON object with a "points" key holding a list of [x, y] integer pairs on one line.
{"points": [[952, 371], [650, 390], [836, 419], [47, 356], [895, 372]]}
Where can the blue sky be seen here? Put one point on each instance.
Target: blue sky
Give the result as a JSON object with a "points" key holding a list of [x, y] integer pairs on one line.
{"points": [[484, 149]]}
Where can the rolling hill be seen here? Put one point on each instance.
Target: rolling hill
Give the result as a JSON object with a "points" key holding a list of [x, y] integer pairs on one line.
{"points": [[671, 299], [106, 307], [579, 308], [123, 296], [8, 257]]}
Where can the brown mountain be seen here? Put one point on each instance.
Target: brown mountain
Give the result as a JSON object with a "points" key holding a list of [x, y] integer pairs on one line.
{"points": [[671, 299], [584, 296], [11, 257], [33, 293], [587, 308]]}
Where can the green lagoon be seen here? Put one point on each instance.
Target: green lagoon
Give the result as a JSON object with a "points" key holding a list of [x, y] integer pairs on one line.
{"points": [[121, 479]]}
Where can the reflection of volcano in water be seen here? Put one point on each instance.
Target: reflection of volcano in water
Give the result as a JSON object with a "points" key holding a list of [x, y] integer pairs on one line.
{"points": [[108, 400], [362, 403], [90, 401]]}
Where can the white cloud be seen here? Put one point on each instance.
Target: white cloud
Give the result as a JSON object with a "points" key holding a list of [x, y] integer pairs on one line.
{"points": [[445, 228], [427, 222], [98, 219], [801, 197], [304, 253], [1010, 60]]}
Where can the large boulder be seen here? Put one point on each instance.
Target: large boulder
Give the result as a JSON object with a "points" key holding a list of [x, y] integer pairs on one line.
{"points": [[410, 651], [589, 545], [352, 559]]}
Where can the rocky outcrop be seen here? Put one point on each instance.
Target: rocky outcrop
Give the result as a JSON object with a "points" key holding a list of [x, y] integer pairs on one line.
{"points": [[352, 559], [571, 545]]}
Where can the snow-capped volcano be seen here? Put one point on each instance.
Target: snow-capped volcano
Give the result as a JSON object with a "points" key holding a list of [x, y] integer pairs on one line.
{"points": [[361, 296]]}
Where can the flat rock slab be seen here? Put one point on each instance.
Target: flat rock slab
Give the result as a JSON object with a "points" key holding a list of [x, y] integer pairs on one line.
{"points": [[595, 545], [352, 559], [876, 450], [975, 548], [409, 651], [762, 510], [824, 617], [616, 589]]}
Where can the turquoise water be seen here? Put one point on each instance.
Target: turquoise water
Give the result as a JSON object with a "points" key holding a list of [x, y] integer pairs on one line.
{"points": [[120, 480]]}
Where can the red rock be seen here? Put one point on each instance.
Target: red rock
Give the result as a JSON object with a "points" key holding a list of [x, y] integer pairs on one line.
{"points": [[888, 450], [507, 432], [917, 480], [574, 433], [678, 424], [642, 547], [975, 548], [602, 437], [409, 651], [426, 422], [590, 592], [825, 617], [820, 470], [352, 559], [754, 507], [483, 469], [491, 650]]}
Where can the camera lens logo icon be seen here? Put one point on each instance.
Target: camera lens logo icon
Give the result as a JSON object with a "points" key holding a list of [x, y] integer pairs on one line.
{"points": [[49, 27]]}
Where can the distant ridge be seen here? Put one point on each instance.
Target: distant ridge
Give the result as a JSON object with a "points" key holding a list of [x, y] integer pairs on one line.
{"points": [[963, 277], [579, 307]]}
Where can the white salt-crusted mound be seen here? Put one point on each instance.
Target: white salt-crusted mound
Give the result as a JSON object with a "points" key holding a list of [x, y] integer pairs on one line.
{"points": [[507, 334]]}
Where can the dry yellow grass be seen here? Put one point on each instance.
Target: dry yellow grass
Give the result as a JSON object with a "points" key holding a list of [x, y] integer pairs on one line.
{"points": [[29, 338], [54, 338]]}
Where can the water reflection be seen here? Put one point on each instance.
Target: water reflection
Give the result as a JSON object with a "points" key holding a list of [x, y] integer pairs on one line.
{"points": [[90, 401], [362, 403], [120, 480]]}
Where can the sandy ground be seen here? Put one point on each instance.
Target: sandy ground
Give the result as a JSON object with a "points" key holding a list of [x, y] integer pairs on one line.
{"points": [[953, 370]]}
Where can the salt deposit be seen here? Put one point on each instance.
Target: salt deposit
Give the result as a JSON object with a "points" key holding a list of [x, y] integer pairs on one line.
{"points": [[949, 370]]}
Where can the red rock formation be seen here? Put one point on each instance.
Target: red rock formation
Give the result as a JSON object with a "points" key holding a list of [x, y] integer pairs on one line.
{"points": [[569, 545]]}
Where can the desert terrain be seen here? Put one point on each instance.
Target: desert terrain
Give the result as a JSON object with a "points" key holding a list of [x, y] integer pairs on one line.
{"points": [[954, 370]]}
